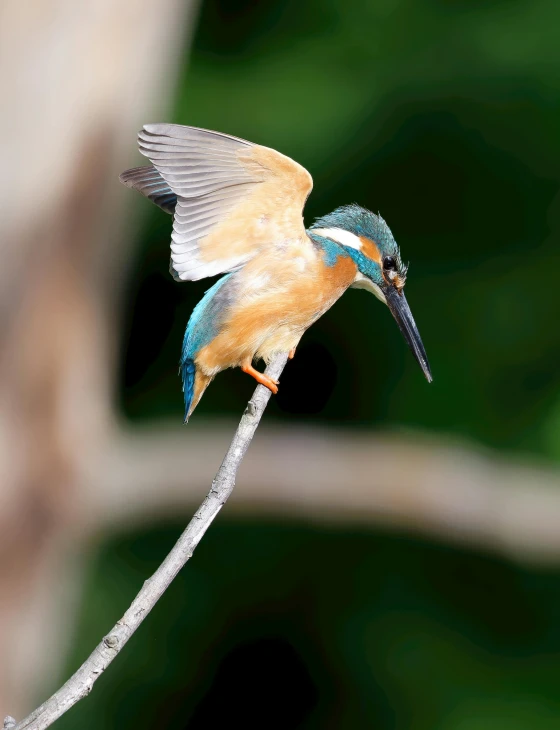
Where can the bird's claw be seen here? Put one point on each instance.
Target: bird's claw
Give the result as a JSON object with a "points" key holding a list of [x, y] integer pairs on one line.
{"points": [[261, 378]]}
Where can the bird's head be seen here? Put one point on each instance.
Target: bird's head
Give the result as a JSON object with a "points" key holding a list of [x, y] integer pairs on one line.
{"points": [[365, 237]]}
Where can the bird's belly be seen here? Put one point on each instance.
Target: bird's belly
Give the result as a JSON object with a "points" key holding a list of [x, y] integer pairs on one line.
{"points": [[280, 339], [273, 318], [289, 319]]}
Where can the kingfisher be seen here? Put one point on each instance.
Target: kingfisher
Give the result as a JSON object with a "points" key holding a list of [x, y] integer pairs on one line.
{"points": [[237, 210]]}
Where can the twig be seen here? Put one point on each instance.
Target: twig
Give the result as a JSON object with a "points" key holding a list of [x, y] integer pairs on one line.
{"points": [[81, 682]]}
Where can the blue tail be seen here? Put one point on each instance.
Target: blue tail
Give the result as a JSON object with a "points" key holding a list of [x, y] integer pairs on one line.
{"points": [[188, 372]]}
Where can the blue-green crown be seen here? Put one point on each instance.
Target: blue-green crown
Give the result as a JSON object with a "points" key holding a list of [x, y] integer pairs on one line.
{"points": [[363, 222]]}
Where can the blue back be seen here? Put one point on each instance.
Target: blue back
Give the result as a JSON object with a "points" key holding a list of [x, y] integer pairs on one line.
{"points": [[203, 326]]}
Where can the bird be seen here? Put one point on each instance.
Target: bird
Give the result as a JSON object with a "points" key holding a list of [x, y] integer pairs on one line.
{"points": [[237, 211]]}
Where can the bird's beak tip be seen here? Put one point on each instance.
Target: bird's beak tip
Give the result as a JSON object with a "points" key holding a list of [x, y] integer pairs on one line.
{"points": [[426, 369], [400, 310]]}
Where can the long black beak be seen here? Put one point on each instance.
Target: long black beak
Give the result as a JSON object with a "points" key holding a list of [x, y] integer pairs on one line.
{"points": [[401, 312]]}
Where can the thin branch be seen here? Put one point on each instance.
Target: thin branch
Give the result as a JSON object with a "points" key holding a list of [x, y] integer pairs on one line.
{"points": [[80, 684]]}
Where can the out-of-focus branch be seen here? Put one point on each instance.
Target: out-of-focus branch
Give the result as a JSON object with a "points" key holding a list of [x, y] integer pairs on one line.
{"points": [[416, 483], [82, 681]]}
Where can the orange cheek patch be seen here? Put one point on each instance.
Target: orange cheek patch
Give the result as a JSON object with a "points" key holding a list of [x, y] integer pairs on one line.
{"points": [[369, 249], [342, 273]]}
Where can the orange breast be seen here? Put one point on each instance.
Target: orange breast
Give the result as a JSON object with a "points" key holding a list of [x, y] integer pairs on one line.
{"points": [[276, 302]]}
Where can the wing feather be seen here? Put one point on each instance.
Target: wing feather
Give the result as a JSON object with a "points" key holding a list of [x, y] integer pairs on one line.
{"points": [[233, 198], [149, 182]]}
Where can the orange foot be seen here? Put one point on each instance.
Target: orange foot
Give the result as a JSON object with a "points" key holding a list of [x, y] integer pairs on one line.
{"points": [[292, 353], [261, 378]]}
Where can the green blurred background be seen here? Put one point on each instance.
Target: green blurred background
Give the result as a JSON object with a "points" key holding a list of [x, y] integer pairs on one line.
{"points": [[443, 116]]}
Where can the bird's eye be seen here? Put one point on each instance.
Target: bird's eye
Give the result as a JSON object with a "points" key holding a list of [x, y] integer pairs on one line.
{"points": [[389, 263]]}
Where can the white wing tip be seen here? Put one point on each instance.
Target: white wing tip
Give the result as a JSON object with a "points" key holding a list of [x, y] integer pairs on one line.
{"points": [[154, 127]]}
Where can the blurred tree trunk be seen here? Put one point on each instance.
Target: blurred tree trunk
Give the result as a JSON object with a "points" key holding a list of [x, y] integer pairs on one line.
{"points": [[77, 81]]}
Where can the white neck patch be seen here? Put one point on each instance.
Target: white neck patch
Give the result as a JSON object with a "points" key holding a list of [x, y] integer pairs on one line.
{"points": [[345, 238], [363, 282]]}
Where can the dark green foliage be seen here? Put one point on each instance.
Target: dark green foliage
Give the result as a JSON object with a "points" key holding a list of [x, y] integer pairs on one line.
{"points": [[282, 626]]}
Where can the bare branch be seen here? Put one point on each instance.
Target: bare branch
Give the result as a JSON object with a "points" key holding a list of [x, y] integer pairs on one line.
{"points": [[82, 681]]}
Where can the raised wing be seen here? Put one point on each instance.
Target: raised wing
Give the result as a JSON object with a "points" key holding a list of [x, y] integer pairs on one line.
{"points": [[233, 198]]}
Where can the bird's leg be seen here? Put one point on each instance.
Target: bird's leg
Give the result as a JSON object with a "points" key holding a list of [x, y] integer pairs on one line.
{"points": [[292, 353], [261, 378]]}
